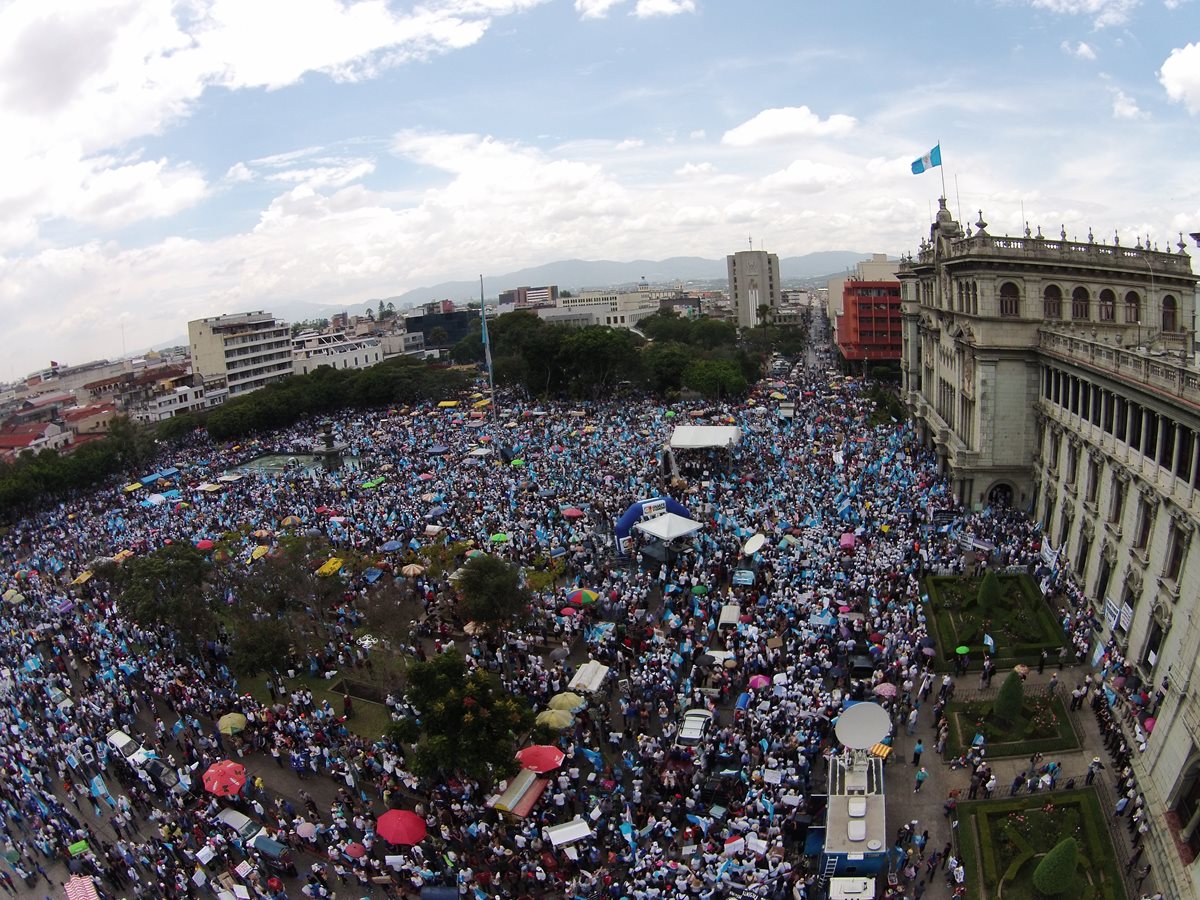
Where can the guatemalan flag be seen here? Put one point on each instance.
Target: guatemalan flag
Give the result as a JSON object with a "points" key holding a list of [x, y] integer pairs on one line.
{"points": [[928, 161]]}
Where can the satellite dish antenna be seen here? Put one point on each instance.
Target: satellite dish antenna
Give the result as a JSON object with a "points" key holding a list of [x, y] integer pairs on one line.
{"points": [[863, 725], [754, 545]]}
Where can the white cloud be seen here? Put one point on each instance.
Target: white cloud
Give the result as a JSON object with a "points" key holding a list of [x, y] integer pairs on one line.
{"points": [[239, 173], [1180, 75], [1103, 13], [629, 144], [1080, 50], [645, 9], [697, 135], [338, 173], [806, 176], [135, 67], [1125, 107], [688, 170], [787, 123], [595, 9]]}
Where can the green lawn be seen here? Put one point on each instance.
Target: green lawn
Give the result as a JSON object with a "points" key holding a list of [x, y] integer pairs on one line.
{"points": [[1044, 726], [370, 719], [1002, 841], [1022, 625]]}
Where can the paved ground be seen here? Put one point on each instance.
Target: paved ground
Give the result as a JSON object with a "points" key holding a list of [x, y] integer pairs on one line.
{"points": [[903, 805]]}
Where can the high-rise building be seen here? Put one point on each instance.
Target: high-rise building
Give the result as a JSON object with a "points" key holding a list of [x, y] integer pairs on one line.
{"points": [[240, 352], [530, 296], [753, 285], [1058, 376]]}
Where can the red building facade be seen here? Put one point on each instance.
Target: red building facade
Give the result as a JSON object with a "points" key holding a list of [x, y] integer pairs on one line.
{"points": [[869, 327]]}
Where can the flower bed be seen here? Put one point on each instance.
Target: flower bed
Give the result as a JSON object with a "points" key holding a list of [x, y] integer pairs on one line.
{"points": [[1022, 623], [1044, 726], [1002, 841]]}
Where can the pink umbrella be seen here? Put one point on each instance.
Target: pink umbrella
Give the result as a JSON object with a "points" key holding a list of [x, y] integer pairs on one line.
{"points": [[569, 611], [426, 476], [1149, 724], [355, 850], [846, 541], [205, 544], [572, 512], [885, 689], [759, 681]]}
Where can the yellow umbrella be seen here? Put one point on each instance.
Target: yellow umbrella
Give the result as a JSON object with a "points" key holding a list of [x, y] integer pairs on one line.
{"points": [[448, 404], [567, 700], [775, 395], [558, 719], [231, 723], [479, 404], [82, 577], [130, 488], [289, 521], [259, 552]]}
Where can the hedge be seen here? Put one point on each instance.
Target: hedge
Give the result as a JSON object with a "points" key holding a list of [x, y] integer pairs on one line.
{"points": [[957, 741], [979, 855]]}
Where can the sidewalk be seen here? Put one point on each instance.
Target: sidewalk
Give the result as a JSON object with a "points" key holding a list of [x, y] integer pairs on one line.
{"points": [[903, 805]]}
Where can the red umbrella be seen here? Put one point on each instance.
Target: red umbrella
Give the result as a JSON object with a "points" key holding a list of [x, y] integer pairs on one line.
{"points": [[540, 758], [400, 826], [568, 611], [355, 850], [572, 512], [225, 778], [205, 544]]}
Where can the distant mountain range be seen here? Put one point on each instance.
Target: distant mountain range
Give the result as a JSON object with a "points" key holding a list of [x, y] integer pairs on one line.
{"points": [[583, 274]]}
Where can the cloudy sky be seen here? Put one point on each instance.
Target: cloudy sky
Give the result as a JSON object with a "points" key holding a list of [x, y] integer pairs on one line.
{"points": [[162, 161]]}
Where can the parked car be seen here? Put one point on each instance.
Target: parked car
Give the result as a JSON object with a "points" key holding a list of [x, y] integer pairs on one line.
{"points": [[245, 826], [131, 751], [694, 728]]}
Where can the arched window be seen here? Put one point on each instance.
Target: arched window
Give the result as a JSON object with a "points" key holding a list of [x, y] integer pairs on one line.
{"points": [[1170, 314], [1052, 302], [1108, 305], [1010, 299], [1133, 308], [1080, 301], [960, 296], [974, 298]]}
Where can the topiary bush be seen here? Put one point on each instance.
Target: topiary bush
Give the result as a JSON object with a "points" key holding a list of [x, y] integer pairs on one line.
{"points": [[1055, 874], [988, 598], [1010, 699]]}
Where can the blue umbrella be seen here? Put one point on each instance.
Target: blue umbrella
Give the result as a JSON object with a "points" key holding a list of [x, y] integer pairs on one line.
{"points": [[391, 546], [435, 450], [436, 512]]}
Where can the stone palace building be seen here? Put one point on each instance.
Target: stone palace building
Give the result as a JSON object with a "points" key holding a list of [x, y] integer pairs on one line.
{"points": [[1058, 376]]}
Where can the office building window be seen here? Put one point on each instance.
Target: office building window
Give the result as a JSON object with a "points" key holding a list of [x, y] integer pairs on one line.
{"points": [[1176, 551]]}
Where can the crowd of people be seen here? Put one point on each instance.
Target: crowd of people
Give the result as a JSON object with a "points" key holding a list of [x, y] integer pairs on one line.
{"points": [[832, 611]]}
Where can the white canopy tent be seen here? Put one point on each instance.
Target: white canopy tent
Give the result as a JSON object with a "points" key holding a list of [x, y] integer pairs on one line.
{"points": [[700, 437], [668, 527]]}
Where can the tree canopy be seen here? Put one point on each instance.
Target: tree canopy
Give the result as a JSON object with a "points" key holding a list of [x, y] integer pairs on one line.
{"points": [[490, 590], [464, 724], [166, 588], [1010, 699]]}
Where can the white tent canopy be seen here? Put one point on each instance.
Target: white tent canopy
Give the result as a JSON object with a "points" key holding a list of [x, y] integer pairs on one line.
{"points": [[699, 437], [669, 526]]}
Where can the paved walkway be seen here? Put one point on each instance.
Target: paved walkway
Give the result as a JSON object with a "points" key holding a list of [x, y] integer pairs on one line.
{"points": [[903, 805]]}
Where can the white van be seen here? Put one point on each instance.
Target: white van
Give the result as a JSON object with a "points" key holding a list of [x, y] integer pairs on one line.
{"points": [[133, 752], [731, 614], [242, 824]]}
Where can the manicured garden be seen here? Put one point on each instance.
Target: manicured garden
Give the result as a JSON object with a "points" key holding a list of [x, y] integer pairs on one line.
{"points": [[1011, 610], [1047, 845], [1013, 724]]}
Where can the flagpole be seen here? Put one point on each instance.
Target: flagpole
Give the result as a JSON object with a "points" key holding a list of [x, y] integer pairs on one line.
{"points": [[941, 168], [487, 350]]}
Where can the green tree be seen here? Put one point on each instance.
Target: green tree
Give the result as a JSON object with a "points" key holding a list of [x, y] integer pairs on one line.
{"points": [[664, 365], [988, 598], [716, 379], [166, 588], [259, 645], [666, 325], [464, 725], [438, 336], [712, 333], [1010, 700], [491, 591], [176, 427], [1055, 874]]}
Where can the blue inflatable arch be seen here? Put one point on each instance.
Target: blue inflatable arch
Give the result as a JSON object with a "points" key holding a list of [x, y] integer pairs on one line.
{"points": [[634, 514]]}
